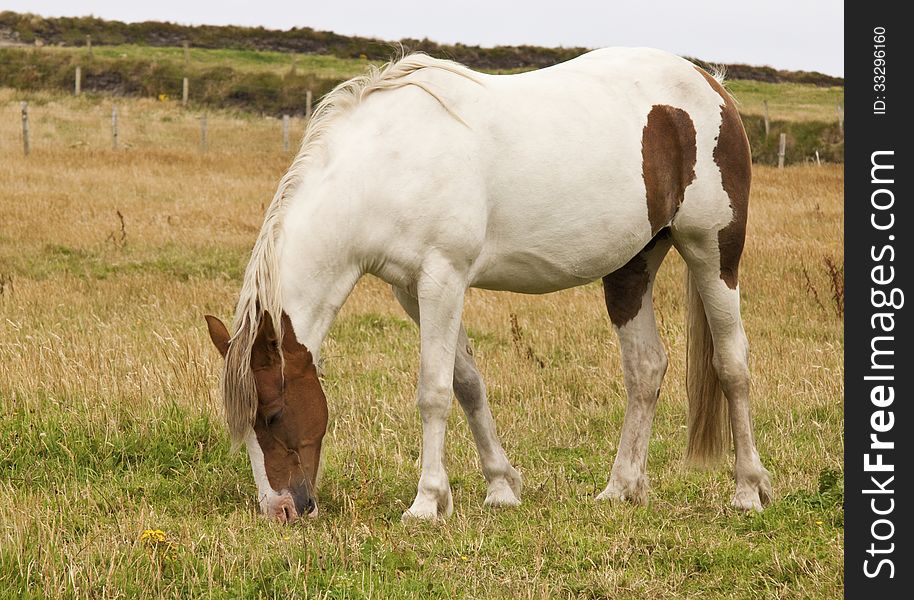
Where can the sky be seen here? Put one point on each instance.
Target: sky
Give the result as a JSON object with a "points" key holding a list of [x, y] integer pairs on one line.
{"points": [[785, 34]]}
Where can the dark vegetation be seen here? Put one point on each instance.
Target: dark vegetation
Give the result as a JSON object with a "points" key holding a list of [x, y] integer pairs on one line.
{"points": [[804, 139], [217, 87]]}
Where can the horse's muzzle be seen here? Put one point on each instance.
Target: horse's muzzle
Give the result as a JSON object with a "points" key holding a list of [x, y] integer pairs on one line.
{"points": [[305, 502]]}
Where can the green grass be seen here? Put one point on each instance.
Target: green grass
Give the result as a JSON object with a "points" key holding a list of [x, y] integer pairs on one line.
{"points": [[788, 101], [322, 66], [172, 470], [55, 260]]}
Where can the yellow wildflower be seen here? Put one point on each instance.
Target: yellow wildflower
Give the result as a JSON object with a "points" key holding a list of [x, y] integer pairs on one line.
{"points": [[157, 545], [153, 536]]}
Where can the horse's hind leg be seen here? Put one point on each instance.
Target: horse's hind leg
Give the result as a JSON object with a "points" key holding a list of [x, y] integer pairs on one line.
{"points": [[715, 279], [504, 482], [644, 362]]}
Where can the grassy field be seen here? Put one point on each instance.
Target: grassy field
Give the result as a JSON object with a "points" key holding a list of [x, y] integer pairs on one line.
{"points": [[276, 83], [788, 101], [324, 66], [110, 417]]}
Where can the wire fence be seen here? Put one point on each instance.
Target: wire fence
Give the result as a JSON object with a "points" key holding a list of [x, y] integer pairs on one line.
{"points": [[144, 124]]}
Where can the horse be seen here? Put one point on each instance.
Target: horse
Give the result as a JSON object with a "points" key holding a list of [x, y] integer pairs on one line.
{"points": [[436, 178]]}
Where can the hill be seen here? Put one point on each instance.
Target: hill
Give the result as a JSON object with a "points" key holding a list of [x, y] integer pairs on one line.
{"points": [[72, 31]]}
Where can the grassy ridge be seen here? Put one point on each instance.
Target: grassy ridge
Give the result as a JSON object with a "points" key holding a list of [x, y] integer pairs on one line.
{"points": [[110, 418], [275, 83], [215, 84], [72, 31]]}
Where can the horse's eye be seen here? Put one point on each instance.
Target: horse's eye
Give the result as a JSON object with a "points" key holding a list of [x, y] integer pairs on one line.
{"points": [[274, 418]]}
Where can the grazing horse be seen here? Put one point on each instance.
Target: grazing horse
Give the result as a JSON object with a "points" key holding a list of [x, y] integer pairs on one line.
{"points": [[436, 178]]}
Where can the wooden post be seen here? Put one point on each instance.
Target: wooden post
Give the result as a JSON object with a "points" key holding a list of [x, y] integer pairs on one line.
{"points": [[782, 150], [767, 121], [203, 133], [285, 133], [89, 45], [818, 162], [840, 110], [308, 98], [77, 83], [114, 127], [186, 45], [24, 106], [184, 92]]}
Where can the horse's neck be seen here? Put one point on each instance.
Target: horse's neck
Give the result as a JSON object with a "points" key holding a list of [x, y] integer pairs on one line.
{"points": [[316, 280]]}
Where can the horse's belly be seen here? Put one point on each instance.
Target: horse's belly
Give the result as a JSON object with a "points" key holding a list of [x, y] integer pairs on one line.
{"points": [[527, 274], [538, 256]]}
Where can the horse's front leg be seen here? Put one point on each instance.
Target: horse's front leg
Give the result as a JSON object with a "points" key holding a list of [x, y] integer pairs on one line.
{"points": [[504, 482], [440, 292]]}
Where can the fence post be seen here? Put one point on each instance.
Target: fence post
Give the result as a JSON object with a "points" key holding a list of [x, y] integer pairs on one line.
{"points": [[77, 81], [782, 150], [818, 162], [840, 111], [767, 120], [114, 127], [24, 106], [184, 91], [203, 133], [308, 98], [285, 133]]}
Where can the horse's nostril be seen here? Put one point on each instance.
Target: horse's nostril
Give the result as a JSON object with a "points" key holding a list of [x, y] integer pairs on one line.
{"points": [[305, 502]]}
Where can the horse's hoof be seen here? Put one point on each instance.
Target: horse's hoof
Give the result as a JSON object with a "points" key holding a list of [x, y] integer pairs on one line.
{"points": [[501, 493], [752, 496], [746, 501], [633, 492], [419, 515], [425, 508]]}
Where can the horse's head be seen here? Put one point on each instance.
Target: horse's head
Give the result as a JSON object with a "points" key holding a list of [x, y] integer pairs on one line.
{"points": [[290, 421]]}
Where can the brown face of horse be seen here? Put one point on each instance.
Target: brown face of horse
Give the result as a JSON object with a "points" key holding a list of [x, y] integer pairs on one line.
{"points": [[291, 417]]}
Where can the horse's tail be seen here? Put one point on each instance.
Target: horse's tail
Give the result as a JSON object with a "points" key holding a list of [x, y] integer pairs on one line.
{"points": [[708, 431]]}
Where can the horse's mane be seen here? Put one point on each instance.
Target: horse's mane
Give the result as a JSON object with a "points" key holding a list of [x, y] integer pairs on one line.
{"points": [[260, 290]]}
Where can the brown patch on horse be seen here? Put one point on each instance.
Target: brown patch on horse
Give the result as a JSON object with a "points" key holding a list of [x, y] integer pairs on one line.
{"points": [[668, 162], [734, 159], [624, 288], [291, 414]]}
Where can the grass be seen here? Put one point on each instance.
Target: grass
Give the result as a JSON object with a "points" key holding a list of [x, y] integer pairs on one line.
{"points": [[322, 66], [788, 101], [276, 83], [110, 418]]}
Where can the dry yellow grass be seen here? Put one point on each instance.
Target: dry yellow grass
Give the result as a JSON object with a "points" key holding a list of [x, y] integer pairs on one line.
{"points": [[110, 421]]}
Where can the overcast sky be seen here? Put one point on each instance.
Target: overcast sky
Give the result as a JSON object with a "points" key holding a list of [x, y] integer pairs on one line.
{"points": [[786, 34]]}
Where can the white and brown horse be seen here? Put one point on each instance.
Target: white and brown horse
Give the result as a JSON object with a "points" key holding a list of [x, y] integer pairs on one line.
{"points": [[435, 179]]}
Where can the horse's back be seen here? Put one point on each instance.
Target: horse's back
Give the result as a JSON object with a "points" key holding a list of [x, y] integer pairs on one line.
{"points": [[536, 180], [564, 152]]}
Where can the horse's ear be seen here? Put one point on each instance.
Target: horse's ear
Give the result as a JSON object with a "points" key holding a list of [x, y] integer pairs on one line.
{"points": [[265, 331], [218, 333], [264, 350]]}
